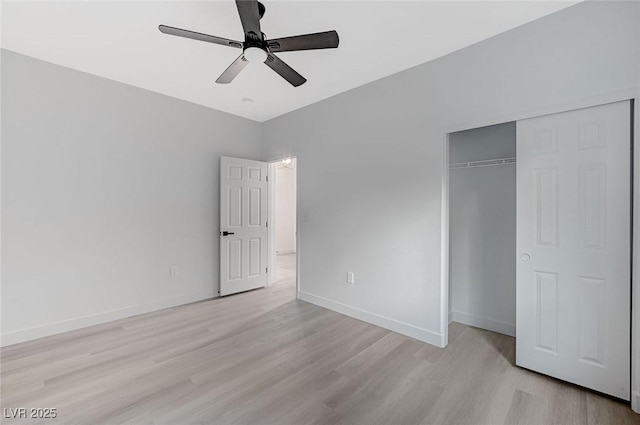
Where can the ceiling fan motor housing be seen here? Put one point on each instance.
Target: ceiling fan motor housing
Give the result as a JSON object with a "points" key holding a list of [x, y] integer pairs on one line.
{"points": [[253, 40]]}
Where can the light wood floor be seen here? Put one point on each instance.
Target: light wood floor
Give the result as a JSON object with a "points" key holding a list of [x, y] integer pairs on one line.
{"points": [[286, 268], [265, 358]]}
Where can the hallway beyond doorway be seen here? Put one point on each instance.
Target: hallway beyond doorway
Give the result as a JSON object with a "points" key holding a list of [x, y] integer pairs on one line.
{"points": [[286, 269]]}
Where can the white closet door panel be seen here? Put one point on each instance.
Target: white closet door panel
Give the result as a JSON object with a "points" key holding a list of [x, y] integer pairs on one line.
{"points": [[573, 238]]}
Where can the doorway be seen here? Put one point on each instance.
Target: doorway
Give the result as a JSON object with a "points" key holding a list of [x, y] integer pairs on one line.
{"points": [[482, 227], [283, 222]]}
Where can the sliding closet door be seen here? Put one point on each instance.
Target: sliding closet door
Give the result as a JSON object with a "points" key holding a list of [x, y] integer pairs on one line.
{"points": [[573, 239]]}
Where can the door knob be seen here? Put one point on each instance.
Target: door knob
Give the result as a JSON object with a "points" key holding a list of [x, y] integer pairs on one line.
{"points": [[225, 233], [525, 257]]}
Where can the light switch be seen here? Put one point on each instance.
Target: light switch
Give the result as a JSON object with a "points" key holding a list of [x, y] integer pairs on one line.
{"points": [[350, 277]]}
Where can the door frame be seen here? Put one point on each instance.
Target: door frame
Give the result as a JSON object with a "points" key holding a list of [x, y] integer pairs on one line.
{"points": [[632, 94], [271, 219]]}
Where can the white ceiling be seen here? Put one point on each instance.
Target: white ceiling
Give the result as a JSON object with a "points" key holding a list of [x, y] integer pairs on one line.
{"points": [[121, 41]]}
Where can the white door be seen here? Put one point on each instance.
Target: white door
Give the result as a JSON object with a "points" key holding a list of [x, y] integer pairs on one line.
{"points": [[574, 239], [243, 225]]}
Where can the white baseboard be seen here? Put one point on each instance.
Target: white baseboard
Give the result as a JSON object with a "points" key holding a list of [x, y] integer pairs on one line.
{"points": [[450, 317], [483, 322], [35, 332], [407, 329], [635, 401]]}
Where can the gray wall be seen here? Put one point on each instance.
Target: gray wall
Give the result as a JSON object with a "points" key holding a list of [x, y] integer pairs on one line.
{"points": [[104, 188], [482, 229], [372, 161], [484, 143]]}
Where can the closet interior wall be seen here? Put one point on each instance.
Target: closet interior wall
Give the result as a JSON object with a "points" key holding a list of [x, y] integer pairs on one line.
{"points": [[482, 205]]}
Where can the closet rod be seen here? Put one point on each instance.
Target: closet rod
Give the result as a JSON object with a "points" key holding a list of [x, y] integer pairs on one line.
{"points": [[485, 163]]}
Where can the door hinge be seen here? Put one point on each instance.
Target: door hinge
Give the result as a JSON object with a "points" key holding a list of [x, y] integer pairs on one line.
{"points": [[267, 224], [266, 178], [266, 269]]}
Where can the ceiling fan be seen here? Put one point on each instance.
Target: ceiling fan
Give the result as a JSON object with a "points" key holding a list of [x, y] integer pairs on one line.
{"points": [[256, 48]]}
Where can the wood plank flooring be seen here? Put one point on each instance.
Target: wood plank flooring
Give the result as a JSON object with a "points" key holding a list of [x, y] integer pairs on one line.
{"points": [[264, 357], [286, 268]]}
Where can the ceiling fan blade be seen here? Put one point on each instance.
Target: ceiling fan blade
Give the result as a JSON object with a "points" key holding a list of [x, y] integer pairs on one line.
{"points": [[233, 70], [199, 36], [284, 70], [250, 18], [319, 40]]}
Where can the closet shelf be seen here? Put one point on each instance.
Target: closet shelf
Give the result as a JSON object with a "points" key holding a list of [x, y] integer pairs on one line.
{"points": [[485, 163]]}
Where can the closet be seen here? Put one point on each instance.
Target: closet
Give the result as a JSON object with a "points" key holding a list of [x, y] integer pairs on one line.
{"points": [[546, 243], [482, 227]]}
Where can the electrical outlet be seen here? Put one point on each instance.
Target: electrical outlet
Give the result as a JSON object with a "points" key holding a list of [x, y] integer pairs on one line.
{"points": [[350, 277], [173, 271]]}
